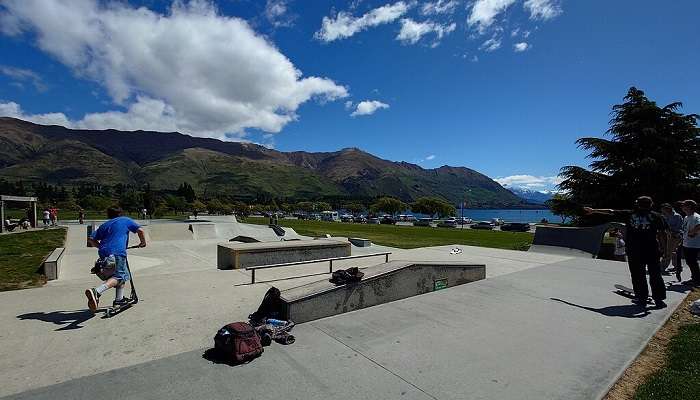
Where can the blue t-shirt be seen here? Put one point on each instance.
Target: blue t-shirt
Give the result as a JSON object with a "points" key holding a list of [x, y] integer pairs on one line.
{"points": [[114, 236]]}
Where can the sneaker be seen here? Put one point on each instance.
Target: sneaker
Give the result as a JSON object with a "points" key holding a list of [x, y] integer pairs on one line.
{"points": [[659, 304], [93, 299], [639, 302], [118, 303]]}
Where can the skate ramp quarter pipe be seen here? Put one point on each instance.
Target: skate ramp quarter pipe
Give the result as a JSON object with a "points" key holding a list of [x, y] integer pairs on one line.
{"points": [[382, 283], [203, 231], [587, 240], [234, 255]]}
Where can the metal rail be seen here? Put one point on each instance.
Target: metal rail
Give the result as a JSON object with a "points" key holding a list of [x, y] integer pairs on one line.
{"points": [[329, 260]]}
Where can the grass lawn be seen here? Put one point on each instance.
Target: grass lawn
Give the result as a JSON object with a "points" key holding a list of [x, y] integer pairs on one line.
{"points": [[408, 237], [22, 254], [680, 376]]}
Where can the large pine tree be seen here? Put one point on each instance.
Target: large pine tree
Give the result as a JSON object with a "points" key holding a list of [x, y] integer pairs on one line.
{"points": [[649, 150]]}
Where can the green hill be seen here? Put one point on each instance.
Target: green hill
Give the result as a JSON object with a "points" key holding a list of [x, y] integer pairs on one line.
{"points": [[58, 155]]}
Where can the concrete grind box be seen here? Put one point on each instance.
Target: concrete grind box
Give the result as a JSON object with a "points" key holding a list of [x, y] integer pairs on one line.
{"points": [[383, 283], [243, 255]]}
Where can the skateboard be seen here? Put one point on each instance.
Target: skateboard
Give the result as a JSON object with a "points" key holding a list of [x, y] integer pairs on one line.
{"points": [[627, 292]]}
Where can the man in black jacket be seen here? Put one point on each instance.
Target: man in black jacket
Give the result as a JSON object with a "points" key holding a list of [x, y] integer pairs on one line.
{"points": [[647, 235]]}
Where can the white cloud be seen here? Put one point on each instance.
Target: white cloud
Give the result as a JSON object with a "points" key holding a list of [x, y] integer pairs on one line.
{"points": [[348, 105], [412, 31], [345, 25], [439, 7], [490, 45], [12, 109], [542, 9], [529, 181], [368, 107], [277, 13], [430, 157], [191, 70], [520, 47], [24, 75], [484, 12]]}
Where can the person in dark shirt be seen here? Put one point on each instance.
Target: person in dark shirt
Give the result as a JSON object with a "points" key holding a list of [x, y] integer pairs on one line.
{"points": [[647, 236]]}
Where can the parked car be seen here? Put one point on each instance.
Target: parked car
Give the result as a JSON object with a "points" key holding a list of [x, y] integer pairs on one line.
{"points": [[447, 223], [483, 225], [360, 219], [516, 227], [373, 220], [387, 220], [464, 221], [423, 222], [346, 218]]}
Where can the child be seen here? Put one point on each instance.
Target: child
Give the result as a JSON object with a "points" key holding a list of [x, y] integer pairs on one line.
{"points": [[619, 253], [47, 217], [112, 238]]}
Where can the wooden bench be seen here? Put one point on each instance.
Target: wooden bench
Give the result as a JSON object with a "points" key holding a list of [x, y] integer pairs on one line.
{"points": [[52, 264]]}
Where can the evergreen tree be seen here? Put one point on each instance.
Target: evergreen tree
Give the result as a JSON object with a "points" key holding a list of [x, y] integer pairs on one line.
{"points": [[651, 150]]}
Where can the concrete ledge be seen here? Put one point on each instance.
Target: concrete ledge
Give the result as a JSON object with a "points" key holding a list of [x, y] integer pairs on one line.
{"points": [[383, 283], [52, 264], [360, 242], [241, 255]]}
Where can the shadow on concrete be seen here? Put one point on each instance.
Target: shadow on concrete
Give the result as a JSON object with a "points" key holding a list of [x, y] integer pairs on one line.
{"points": [[625, 311], [216, 357], [71, 319], [678, 288]]}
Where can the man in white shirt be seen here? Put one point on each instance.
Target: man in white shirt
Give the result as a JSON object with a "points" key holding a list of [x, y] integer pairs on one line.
{"points": [[691, 241]]}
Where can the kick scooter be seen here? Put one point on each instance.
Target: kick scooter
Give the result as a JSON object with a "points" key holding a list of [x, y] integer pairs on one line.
{"points": [[130, 301]]}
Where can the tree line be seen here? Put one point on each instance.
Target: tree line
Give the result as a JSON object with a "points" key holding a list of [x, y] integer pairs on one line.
{"points": [[185, 199]]}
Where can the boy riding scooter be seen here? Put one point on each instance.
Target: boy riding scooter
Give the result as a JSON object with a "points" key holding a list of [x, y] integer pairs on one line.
{"points": [[112, 238]]}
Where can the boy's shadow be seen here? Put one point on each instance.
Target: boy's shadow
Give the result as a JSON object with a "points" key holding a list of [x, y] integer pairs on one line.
{"points": [[625, 311], [71, 319]]}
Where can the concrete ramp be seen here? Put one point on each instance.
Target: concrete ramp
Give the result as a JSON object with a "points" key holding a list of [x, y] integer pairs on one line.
{"points": [[381, 284], [571, 241], [203, 231]]}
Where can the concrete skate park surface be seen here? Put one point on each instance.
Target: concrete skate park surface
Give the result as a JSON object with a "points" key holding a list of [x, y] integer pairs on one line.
{"points": [[542, 326]]}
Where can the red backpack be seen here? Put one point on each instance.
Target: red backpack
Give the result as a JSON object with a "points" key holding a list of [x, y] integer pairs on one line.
{"points": [[239, 342]]}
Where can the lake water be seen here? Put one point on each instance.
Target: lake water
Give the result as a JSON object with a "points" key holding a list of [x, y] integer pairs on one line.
{"points": [[506, 215], [510, 215]]}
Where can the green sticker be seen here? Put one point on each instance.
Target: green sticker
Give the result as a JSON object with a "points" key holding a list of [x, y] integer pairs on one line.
{"points": [[440, 284]]}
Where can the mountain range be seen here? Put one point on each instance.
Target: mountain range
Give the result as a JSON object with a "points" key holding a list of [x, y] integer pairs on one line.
{"points": [[531, 196], [59, 155]]}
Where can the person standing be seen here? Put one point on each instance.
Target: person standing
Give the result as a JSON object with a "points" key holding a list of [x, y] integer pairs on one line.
{"points": [[620, 252], [46, 217], [647, 235], [53, 215], [675, 226], [81, 216], [691, 241]]}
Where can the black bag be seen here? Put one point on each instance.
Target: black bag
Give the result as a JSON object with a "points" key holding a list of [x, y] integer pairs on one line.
{"points": [[238, 342], [272, 306], [343, 276]]}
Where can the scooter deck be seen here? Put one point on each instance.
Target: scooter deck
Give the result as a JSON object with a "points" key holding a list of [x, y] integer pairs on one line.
{"points": [[114, 310]]}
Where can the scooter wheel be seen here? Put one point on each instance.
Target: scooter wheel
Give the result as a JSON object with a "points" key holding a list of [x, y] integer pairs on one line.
{"points": [[134, 300], [109, 313]]}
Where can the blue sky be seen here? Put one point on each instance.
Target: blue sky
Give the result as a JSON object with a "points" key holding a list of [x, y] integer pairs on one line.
{"points": [[501, 86]]}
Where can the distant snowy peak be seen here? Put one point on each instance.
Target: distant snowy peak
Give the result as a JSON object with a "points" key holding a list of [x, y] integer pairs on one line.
{"points": [[532, 196]]}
